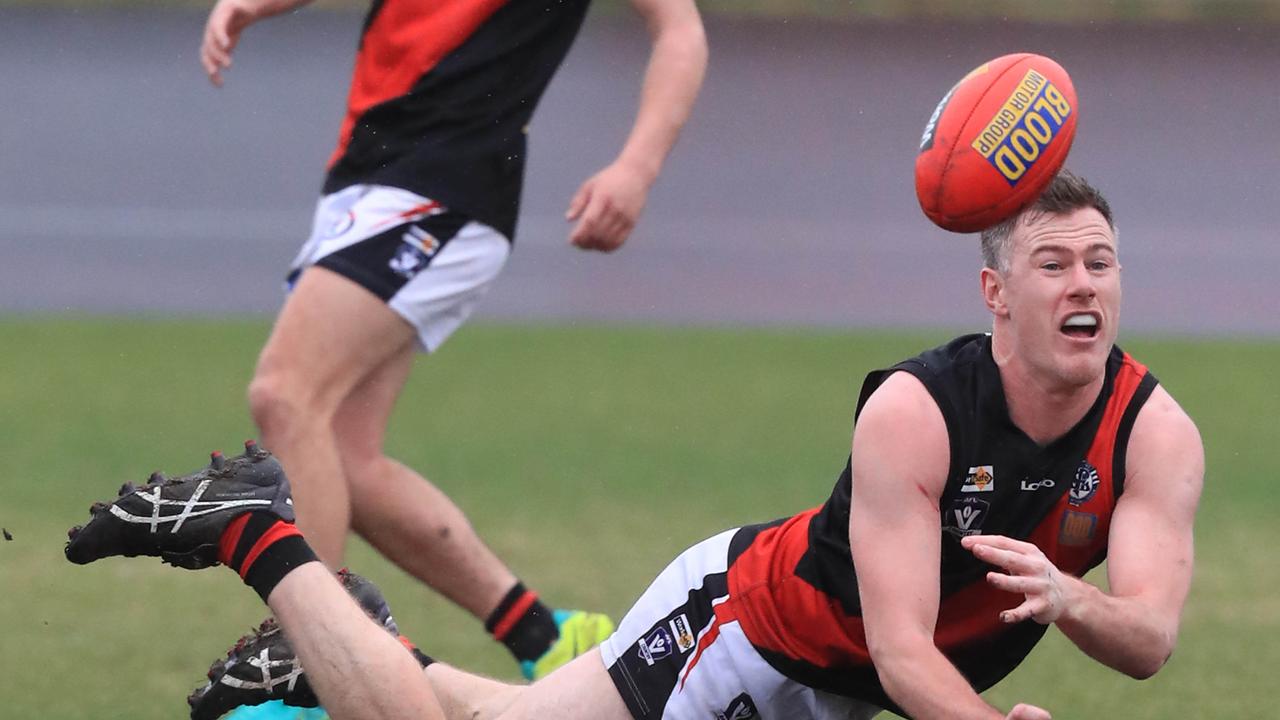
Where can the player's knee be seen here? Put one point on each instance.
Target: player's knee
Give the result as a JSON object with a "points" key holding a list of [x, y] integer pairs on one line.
{"points": [[275, 406]]}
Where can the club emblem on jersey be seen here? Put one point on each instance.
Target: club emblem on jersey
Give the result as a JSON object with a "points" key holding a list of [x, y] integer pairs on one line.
{"points": [[980, 479], [656, 645], [965, 516], [1085, 484], [741, 708], [1077, 528], [416, 250], [680, 630]]}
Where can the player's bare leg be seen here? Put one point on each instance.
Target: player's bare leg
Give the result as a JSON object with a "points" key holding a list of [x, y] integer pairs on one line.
{"points": [[358, 671], [330, 334], [403, 515], [580, 690]]}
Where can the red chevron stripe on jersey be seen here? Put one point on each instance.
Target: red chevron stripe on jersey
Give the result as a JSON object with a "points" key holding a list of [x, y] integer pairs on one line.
{"points": [[405, 40]]}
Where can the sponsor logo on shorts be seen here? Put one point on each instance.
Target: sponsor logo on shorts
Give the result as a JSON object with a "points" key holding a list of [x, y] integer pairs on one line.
{"points": [[741, 708], [965, 516], [1085, 484], [680, 630], [1024, 126], [1033, 486], [1077, 528], [656, 645], [980, 479], [417, 247], [341, 225]]}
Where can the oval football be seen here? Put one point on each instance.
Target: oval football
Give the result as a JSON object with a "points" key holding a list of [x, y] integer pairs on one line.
{"points": [[995, 141]]}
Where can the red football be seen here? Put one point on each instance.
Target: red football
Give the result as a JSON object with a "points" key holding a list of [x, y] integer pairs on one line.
{"points": [[995, 142]]}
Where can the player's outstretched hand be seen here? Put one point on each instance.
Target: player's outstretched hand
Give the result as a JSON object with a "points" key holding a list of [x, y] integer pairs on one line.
{"points": [[1028, 712], [226, 21], [1026, 571], [607, 206]]}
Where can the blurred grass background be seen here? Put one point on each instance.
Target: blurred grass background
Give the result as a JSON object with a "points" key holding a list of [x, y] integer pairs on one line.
{"points": [[1076, 11], [587, 457]]}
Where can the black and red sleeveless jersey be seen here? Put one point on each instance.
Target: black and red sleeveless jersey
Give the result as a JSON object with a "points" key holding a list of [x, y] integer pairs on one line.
{"points": [[792, 584], [442, 95]]}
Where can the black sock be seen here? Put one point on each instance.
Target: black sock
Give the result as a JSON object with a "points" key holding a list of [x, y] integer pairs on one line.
{"points": [[523, 624], [262, 548]]}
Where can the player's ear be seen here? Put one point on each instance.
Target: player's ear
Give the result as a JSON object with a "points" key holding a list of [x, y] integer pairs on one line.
{"points": [[993, 291]]}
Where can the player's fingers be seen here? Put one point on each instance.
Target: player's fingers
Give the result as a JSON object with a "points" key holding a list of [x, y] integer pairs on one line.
{"points": [[1014, 562], [1015, 583], [1028, 712], [579, 202], [1025, 611], [998, 541], [590, 224]]}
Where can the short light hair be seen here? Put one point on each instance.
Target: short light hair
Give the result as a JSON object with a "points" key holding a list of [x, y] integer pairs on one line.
{"points": [[1066, 193]]}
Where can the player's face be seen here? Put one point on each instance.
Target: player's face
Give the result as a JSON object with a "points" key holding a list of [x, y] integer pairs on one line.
{"points": [[1061, 296]]}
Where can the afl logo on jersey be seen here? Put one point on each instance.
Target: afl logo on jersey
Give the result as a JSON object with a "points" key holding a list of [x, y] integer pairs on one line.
{"points": [[1085, 484]]}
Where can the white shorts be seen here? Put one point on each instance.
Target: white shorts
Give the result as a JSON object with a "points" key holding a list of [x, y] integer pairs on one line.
{"points": [[671, 660], [431, 265]]}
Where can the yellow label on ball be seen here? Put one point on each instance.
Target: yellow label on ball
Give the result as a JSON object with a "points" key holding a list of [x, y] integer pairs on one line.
{"points": [[1027, 122]]}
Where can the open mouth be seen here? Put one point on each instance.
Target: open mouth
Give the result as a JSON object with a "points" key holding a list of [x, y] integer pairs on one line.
{"points": [[1080, 325]]}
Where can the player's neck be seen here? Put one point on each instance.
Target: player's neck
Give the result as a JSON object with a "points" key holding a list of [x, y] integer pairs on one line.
{"points": [[1044, 408]]}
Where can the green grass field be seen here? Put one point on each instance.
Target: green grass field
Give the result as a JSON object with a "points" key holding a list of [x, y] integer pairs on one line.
{"points": [[587, 457]]}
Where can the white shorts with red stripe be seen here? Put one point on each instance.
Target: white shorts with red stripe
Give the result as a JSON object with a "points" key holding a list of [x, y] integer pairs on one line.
{"points": [[430, 264], [671, 658]]}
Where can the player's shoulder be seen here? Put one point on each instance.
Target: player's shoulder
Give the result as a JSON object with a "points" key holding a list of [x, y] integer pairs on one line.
{"points": [[1164, 445], [1162, 418]]}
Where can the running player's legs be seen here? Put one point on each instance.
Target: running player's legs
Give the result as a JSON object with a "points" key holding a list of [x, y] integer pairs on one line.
{"points": [[400, 513], [330, 334]]}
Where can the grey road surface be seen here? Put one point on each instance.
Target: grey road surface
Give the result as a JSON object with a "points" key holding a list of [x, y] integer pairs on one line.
{"points": [[129, 184]]}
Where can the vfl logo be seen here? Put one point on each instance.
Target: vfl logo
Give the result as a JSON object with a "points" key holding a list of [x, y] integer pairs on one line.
{"points": [[417, 248], [1023, 127], [656, 646], [683, 637], [740, 708], [1085, 484], [965, 516], [980, 479]]}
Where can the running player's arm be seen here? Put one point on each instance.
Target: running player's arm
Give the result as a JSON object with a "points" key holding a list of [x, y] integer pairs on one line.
{"points": [[608, 204], [901, 456], [226, 21]]}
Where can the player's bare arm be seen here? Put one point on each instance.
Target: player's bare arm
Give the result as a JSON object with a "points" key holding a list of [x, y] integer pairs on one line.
{"points": [[607, 206], [1132, 628], [226, 21], [901, 456]]}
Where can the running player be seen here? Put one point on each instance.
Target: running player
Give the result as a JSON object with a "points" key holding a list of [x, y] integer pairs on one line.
{"points": [[986, 477], [417, 218]]}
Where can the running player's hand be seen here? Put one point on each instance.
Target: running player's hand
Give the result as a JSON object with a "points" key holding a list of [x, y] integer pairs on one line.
{"points": [[607, 206], [1026, 571], [1028, 712], [226, 21]]}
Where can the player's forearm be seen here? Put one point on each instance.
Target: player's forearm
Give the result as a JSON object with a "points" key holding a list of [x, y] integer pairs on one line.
{"points": [[671, 83], [926, 685], [1122, 633]]}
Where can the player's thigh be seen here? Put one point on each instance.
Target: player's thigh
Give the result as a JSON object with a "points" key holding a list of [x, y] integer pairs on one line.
{"points": [[359, 425], [330, 333], [578, 690]]}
